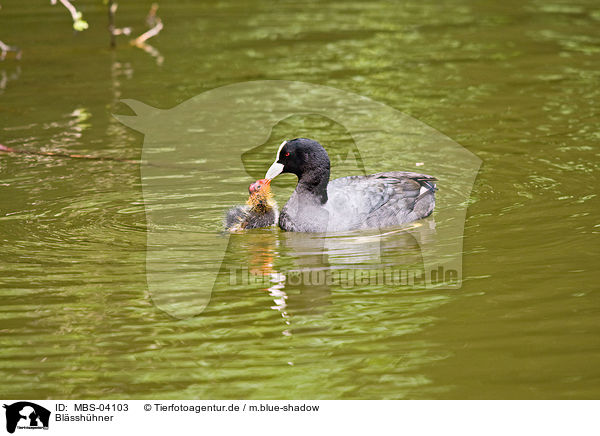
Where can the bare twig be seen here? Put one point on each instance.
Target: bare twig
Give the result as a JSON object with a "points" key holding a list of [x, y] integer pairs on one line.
{"points": [[157, 25], [5, 48], [79, 23], [112, 9], [113, 30], [5, 78], [151, 17], [5, 149], [150, 33]]}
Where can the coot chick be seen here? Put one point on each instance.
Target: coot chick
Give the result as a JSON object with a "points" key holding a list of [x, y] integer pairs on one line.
{"points": [[260, 209], [349, 203]]}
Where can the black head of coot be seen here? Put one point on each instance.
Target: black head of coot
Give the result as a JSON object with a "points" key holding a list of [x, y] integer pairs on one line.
{"points": [[301, 156]]}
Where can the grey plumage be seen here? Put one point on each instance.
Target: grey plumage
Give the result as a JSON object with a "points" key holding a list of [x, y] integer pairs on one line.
{"points": [[356, 202], [362, 202]]}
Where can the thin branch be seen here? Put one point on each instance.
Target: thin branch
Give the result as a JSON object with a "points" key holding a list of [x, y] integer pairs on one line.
{"points": [[112, 29], [79, 23], [112, 9], [5, 149], [157, 26], [7, 78], [69, 7], [5, 48], [149, 34], [151, 17]]}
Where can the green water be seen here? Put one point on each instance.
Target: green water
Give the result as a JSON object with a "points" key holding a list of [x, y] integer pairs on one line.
{"points": [[515, 83]]}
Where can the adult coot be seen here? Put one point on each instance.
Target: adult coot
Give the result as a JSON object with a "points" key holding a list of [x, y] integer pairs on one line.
{"points": [[260, 209], [349, 203]]}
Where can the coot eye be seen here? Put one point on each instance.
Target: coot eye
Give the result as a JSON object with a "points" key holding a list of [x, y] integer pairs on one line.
{"points": [[287, 154]]}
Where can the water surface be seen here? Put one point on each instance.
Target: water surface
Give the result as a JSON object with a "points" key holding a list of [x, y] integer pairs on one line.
{"points": [[515, 83]]}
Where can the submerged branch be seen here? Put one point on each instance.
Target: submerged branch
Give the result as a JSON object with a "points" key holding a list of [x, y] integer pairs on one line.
{"points": [[5, 149]]}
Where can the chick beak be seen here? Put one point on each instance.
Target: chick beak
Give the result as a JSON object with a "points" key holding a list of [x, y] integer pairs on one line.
{"points": [[258, 185]]}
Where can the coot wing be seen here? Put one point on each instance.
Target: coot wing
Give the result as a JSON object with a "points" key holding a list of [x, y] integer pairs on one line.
{"points": [[380, 200]]}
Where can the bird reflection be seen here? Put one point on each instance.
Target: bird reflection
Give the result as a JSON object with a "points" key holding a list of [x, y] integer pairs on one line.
{"points": [[294, 268], [249, 259], [357, 249]]}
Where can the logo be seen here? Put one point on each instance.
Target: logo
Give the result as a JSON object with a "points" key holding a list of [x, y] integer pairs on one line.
{"points": [[214, 138], [26, 415]]}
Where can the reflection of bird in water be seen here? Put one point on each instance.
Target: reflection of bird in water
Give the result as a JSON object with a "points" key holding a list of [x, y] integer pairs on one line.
{"points": [[259, 211], [319, 257], [280, 298], [249, 261], [358, 249], [302, 286], [299, 287]]}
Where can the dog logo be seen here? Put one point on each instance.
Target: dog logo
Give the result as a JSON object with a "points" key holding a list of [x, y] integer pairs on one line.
{"points": [[26, 415], [205, 139]]}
